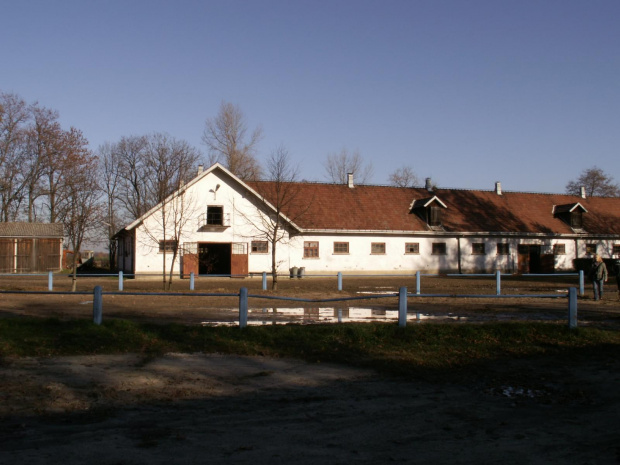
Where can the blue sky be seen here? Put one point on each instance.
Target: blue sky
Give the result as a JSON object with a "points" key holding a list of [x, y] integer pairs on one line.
{"points": [[466, 92]]}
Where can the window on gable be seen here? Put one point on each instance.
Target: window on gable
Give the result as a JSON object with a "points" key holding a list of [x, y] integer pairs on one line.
{"points": [[478, 248], [503, 248], [591, 249], [377, 248], [439, 248], [412, 248], [311, 249], [341, 247], [260, 247], [215, 215], [167, 245], [434, 216], [559, 249]]}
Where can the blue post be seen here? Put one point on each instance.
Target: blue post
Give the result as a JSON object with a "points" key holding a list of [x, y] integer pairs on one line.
{"points": [[581, 283], [97, 305], [191, 281], [50, 281], [243, 307], [264, 281], [339, 281], [339, 315], [498, 279], [120, 280], [572, 308], [402, 307], [417, 282]]}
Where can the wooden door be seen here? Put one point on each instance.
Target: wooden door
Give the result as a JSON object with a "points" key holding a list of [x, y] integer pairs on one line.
{"points": [[189, 259], [239, 259], [524, 259]]}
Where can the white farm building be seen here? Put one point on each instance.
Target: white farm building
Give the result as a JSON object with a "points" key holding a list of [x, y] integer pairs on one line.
{"points": [[222, 225]]}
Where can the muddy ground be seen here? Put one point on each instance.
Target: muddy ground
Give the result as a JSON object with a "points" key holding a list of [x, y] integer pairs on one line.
{"points": [[196, 408]]}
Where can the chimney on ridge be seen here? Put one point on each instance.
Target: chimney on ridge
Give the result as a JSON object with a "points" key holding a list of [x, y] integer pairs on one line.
{"points": [[583, 192], [429, 185], [498, 188], [200, 169], [350, 180]]}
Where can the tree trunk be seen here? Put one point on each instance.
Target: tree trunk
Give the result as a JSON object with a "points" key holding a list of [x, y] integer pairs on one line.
{"points": [[274, 268], [74, 276]]}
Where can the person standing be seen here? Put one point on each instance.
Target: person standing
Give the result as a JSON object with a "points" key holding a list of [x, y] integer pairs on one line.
{"points": [[599, 276], [617, 273]]}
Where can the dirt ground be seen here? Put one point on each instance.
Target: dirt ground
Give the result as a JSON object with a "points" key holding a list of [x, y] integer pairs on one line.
{"points": [[197, 408]]}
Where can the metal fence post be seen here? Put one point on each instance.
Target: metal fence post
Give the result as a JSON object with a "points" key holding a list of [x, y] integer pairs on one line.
{"points": [[264, 280], [191, 281], [243, 307], [572, 307], [120, 280], [402, 307], [498, 279], [417, 282], [339, 281], [581, 283], [50, 281], [97, 305]]}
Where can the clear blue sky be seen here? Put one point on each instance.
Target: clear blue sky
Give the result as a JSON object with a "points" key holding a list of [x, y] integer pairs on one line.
{"points": [[526, 92]]}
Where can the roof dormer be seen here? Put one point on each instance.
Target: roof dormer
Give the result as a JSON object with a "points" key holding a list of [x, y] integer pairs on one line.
{"points": [[571, 214], [430, 210]]}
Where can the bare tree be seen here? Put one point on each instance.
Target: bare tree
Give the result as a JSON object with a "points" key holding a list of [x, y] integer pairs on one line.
{"points": [[227, 139], [109, 161], [280, 195], [404, 177], [339, 165], [596, 183]]}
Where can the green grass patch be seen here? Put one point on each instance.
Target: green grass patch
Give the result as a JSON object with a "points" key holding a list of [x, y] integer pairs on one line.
{"points": [[416, 349]]}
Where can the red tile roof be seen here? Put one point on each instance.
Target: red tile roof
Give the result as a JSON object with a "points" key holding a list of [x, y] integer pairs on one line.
{"points": [[387, 208]]}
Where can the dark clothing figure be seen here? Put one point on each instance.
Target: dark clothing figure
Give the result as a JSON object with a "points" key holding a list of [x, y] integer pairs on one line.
{"points": [[617, 273], [599, 276]]}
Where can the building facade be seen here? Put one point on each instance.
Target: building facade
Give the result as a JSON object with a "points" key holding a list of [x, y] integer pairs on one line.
{"points": [[222, 225]]}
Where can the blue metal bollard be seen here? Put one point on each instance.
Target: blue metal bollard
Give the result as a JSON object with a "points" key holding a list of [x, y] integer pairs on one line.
{"points": [[120, 280], [572, 308], [243, 307], [339, 281], [191, 281], [498, 279], [402, 307], [581, 283], [97, 305], [50, 281], [264, 281]]}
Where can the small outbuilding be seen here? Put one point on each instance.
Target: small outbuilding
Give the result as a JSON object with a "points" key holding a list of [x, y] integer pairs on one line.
{"points": [[30, 247]]}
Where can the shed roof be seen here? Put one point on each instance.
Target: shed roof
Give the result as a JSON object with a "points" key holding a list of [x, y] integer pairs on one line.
{"points": [[24, 229]]}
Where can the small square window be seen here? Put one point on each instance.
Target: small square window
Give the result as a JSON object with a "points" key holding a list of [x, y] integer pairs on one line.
{"points": [[311, 249], [478, 248], [591, 249], [559, 249], [439, 248], [377, 248], [260, 247], [503, 248], [341, 247], [412, 248], [615, 249]]}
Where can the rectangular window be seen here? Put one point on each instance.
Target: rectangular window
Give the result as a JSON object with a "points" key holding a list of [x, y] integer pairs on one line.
{"points": [[168, 246], [503, 248], [615, 249], [478, 248], [576, 219], [311, 249], [591, 249], [377, 248], [434, 216], [260, 247], [215, 215], [439, 248], [341, 247], [412, 247], [559, 249]]}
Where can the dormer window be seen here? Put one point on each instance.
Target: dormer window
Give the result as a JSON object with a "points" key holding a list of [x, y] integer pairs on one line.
{"points": [[214, 219], [571, 214], [215, 215], [430, 210]]}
